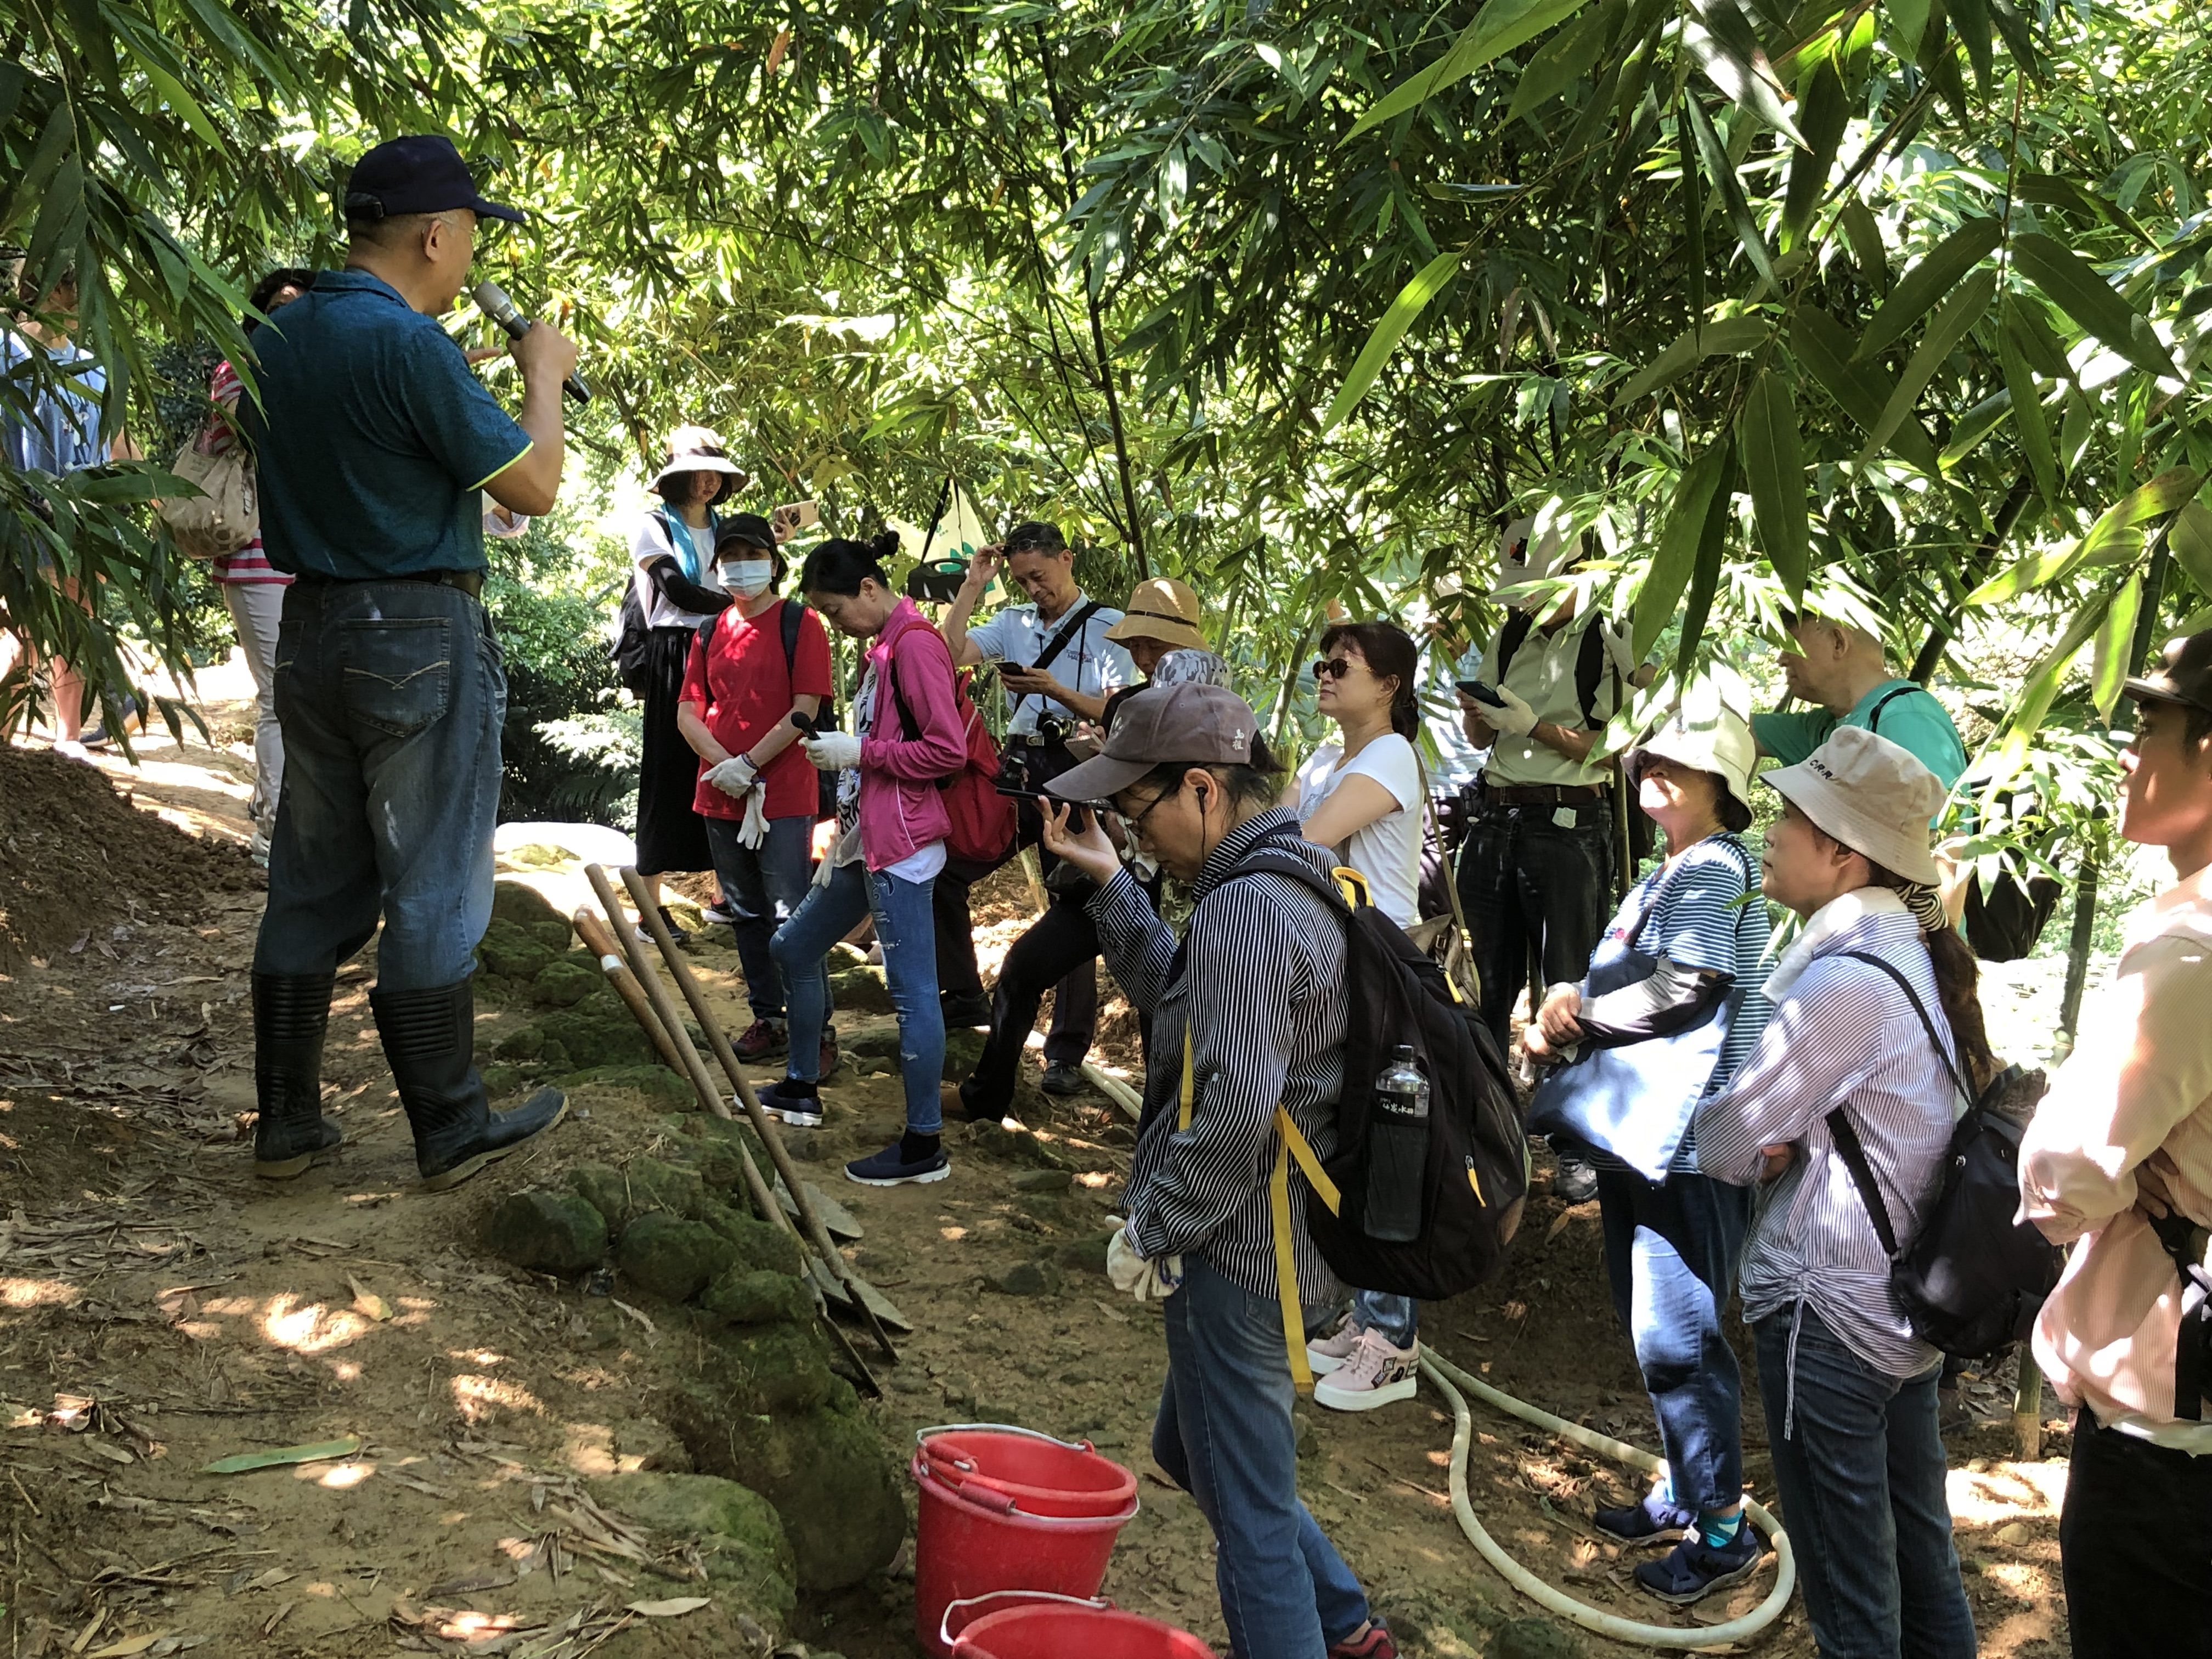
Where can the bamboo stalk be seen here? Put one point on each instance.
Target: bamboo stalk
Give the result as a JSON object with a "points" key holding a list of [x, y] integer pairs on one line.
{"points": [[766, 1128]]}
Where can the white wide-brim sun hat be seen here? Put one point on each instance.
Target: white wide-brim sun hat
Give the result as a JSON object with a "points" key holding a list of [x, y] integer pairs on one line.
{"points": [[1711, 738], [698, 449], [1872, 795]]}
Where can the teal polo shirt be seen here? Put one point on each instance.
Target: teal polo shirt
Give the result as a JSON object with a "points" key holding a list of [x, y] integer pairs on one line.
{"points": [[1903, 711], [373, 437]]}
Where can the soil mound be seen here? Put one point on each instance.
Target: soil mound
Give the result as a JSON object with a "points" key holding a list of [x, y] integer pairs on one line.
{"points": [[75, 853]]}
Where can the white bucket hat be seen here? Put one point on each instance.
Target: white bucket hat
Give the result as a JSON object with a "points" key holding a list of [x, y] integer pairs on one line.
{"points": [[1712, 738], [700, 449], [1529, 551], [1873, 796]]}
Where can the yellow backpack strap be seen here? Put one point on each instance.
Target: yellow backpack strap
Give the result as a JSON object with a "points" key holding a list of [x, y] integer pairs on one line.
{"points": [[1350, 883], [1292, 1144], [1189, 1086]]}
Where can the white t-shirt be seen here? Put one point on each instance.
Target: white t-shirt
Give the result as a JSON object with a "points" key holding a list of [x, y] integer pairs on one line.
{"points": [[1088, 662], [698, 567], [1388, 852]]}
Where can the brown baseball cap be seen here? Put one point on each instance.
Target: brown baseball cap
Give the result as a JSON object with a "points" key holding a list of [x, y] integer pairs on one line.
{"points": [[1170, 725], [2182, 675]]}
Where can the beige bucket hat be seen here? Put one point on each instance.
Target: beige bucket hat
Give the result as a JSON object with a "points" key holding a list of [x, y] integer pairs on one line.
{"points": [[1161, 608], [1713, 740], [1873, 796]]}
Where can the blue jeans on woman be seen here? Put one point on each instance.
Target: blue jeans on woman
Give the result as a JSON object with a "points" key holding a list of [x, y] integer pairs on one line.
{"points": [[1858, 1462], [1224, 1435], [1670, 1252], [1397, 1319], [764, 886], [904, 928]]}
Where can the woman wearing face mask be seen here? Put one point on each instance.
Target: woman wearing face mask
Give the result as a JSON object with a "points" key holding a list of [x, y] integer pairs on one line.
{"points": [[678, 591], [755, 793]]}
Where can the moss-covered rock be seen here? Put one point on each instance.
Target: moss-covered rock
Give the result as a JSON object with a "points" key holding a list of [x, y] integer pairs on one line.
{"points": [[963, 1049], [860, 990], [656, 1084], [760, 1245], [550, 1232], [563, 982], [776, 1369], [827, 1471], [597, 1031], [654, 1185], [739, 1536], [603, 1188], [524, 1043], [758, 1297], [673, 1258], [521, 906], [513, 951]]}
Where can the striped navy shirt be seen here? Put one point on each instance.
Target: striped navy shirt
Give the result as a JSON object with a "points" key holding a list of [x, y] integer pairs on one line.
{"points": [[1262, 990], [1841, 1035]]}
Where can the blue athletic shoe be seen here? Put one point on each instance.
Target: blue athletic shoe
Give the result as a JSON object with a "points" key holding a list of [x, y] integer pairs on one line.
{"points": [[1694, 1569], [1649, 1518], [912, 1160]]}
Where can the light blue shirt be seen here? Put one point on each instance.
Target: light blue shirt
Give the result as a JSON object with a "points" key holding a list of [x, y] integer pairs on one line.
{"points": [[63, 435], [1088, 662]]}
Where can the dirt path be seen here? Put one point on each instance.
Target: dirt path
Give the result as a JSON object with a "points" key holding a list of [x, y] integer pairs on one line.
{"points": [[160, 1308]]}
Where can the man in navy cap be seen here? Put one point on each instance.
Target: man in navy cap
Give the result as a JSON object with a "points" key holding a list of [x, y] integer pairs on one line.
{"points": [[373, 442]]}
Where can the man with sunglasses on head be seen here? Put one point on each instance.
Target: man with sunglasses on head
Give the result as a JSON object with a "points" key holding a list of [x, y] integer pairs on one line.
{"points": [[375, 446], [1536, 870]]}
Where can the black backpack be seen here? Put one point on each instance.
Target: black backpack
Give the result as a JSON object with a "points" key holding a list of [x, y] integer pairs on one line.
{"points": [[1974, 1279], [1476, 1178], [2187, 1244]]}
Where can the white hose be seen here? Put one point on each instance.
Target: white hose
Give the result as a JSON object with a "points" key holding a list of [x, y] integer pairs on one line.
{"points": [[1444, 1374]]}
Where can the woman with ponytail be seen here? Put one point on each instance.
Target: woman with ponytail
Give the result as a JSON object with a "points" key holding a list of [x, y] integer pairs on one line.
{"points": [[1361, 797], [1875, 1030]]}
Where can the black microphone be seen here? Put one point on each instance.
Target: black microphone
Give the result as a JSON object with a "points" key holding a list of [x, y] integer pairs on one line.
{"points": [[491, 300]]}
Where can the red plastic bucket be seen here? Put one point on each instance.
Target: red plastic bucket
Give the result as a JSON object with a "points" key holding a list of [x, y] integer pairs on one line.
{"points": [[968, 1545], [1023, 1625], [985, 1462]]}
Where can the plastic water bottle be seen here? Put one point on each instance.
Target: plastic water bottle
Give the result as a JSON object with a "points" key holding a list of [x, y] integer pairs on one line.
{"points": [[1397, 1150]]}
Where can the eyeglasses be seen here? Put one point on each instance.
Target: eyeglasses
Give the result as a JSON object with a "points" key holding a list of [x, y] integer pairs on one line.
{"points": [[1136, 821], [1337, 667]]}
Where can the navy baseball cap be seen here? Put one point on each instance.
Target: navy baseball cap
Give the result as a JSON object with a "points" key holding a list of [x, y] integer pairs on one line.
{"points": [[423, 173]]}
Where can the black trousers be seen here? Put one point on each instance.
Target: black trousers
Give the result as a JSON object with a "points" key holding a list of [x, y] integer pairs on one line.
{"points": [[1074, 1009], [1533, 888], [2135, 1541], [1060, 948]]}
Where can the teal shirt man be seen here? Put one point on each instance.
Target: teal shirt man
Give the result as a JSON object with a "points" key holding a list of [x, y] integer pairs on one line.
{"points": [[1841, 671]]}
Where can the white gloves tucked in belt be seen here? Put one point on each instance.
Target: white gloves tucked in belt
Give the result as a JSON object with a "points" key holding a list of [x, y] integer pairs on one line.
{"points": [[733, 776], [1153, 1280], [752, 829], [1515, 718], [834, 751]]}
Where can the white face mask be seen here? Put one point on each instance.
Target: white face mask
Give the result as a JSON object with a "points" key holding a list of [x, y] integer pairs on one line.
{"points": [[748, 577]]}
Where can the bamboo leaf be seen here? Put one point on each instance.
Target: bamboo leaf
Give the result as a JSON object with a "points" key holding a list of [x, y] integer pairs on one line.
{"points": [[1971, 20], [2029, 418], [1864, 235], [1861, 390], [1693, 220], [2031, 332], [1959, 313], [1675, 558], [1499, 26], [1739, 79], [1730, 337], [2074, 286], [1411, 301], [1922, 287], [1823, 112], [2114, 637], [1722, 172], [2191, 540], [1774, 466], [1705, 579], [1564, 59], [2040, 691], [283, 1456], [2116, 538]]}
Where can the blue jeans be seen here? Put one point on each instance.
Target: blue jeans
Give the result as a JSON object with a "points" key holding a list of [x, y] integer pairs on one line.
{"points": [[1670, 1252], [764, 886], [909, 938], [1859, 1471], [390, 696], [1224, 1435], [1397, 1317]]}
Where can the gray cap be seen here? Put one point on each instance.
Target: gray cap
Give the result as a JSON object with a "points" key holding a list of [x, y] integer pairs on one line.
{"points": [[1169, 724]]}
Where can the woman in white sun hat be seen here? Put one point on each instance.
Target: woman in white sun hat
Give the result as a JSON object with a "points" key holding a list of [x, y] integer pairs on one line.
{"points": [[1672, 1004], [678, 590], [1847, 1104]]}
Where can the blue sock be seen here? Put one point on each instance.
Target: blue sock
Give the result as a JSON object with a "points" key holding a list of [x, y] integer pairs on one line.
{"points": [[1718, 1530]]}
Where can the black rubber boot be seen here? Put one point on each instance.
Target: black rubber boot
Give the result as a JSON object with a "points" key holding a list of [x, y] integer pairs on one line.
{"points": [[291, 1012], [429, 1041]]}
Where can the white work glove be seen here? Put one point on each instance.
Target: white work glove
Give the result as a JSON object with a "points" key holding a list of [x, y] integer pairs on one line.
{"points": [[1514, 719], [1153, 1281], [733, 776], [834, 751], [752, 829]]}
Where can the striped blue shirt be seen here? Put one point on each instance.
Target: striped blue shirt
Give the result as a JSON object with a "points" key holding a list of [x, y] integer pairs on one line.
{"points": [[1262, 993]]}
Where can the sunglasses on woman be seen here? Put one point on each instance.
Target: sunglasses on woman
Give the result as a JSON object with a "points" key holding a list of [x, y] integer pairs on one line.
{"points": [[1334, 667]]}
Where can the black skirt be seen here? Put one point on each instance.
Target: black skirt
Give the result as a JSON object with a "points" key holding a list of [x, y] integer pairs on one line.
{"points": [[669, 835]]}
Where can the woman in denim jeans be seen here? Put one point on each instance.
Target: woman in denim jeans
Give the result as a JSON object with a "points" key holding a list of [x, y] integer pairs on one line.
{"points": [[891, 846], [1875, 1027]]}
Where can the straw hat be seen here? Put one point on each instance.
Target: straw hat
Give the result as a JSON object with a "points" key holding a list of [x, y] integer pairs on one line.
{"points": [[1712, 739], [1161, 608], [1873, 796], [700, 449]]}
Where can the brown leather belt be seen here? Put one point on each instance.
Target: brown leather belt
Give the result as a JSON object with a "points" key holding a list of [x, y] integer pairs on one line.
{"points": [[1543, 794]]}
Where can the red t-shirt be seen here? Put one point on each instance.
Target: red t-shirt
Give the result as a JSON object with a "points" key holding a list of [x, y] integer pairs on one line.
{"points": [[738, 675]]}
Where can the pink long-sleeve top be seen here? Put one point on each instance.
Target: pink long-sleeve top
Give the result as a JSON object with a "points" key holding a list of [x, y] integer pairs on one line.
{"points": [[902, 809], [2128, 1120]]}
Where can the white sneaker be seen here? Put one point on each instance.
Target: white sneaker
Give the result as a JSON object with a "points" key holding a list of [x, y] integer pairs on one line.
{"points": [[1329, 1353], [1378, 1373]]}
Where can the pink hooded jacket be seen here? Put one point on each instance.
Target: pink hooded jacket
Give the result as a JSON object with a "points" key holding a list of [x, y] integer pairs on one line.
{"points": [[902, 809]]}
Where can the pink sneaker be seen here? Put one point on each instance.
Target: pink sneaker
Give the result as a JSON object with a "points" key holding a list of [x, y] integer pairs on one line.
{"points": [[1331, 1352], [1377, 1374]]}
